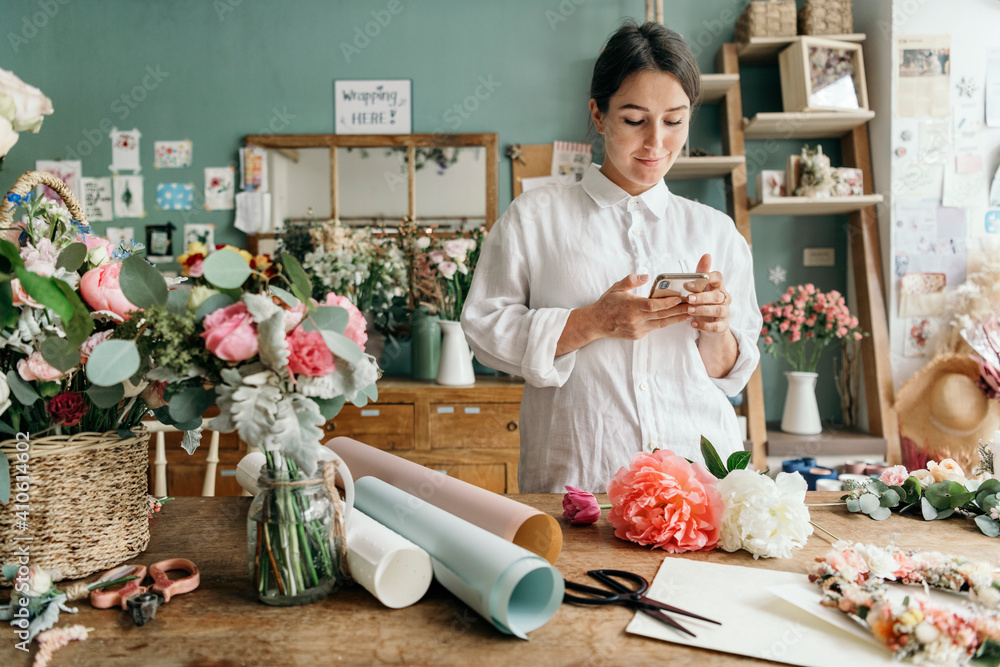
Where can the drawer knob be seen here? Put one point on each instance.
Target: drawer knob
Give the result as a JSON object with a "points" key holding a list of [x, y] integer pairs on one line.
{"points": [[511, 426], [330, 426]]}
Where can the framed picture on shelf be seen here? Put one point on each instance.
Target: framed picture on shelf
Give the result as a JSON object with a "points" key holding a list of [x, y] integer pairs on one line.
{"points": [[850, 182], [160, 243], [822, 75], [770, 184]]}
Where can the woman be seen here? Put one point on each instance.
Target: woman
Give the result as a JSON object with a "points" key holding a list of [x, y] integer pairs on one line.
{"points": [[560, 291]]}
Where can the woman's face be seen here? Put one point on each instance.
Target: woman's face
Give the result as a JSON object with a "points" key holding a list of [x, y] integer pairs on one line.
{"points": [[644, 129]]}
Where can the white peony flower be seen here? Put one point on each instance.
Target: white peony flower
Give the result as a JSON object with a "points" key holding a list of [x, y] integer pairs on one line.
{"points": [[4, 394], [763, 516]]}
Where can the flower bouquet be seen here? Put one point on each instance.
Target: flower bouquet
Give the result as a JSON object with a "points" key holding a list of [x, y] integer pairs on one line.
{"points": [[803, 322], [278, 365], [70, 402]]}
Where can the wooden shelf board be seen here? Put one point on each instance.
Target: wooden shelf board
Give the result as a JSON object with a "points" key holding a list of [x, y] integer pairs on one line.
{"points": [[714, 86], [814, 205], [804, 124], [833, 441], [705, 167], [761, 50]]}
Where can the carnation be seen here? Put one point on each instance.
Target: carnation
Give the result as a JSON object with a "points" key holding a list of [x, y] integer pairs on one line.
{"points": [[763, 516], [67, 409]]}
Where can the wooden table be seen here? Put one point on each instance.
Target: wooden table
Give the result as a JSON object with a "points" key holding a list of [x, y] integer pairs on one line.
{"points": [[222, 623]]}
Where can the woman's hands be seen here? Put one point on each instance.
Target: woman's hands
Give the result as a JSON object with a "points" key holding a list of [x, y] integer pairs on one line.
{"points": [[710, 310]]}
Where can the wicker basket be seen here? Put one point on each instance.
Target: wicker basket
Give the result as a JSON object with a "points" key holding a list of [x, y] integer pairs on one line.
{"points": [[826, 17], [26, 182], [766, 18], [86, 502]]}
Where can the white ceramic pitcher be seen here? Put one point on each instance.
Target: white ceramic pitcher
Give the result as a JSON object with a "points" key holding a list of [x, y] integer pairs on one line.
{"points": [[801, 414], [455, 368]]}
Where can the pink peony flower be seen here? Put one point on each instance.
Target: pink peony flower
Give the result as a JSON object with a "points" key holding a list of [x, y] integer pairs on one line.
{"points": [[308, 354], [230, 333], [36, 368], [20, 297], [101, 290], [580, 507], [356, 327], [93, 341], [894, 476], [663, 500]]}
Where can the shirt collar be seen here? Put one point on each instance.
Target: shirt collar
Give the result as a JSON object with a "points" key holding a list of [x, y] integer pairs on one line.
{"points": [[605, 193]]}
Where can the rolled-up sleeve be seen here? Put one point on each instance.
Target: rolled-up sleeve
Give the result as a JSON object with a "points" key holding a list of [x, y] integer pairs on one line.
{"points": [[502, 330], [745, 320]]}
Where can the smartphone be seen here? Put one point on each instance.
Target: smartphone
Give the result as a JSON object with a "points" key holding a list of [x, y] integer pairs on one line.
{"points": [[678, 284]]}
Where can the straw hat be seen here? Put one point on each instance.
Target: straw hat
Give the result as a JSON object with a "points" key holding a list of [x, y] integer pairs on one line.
{"points": [[943, 412]]}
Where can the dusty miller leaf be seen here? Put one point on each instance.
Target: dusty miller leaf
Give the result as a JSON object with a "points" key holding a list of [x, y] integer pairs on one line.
{"points": [[273, 348]]}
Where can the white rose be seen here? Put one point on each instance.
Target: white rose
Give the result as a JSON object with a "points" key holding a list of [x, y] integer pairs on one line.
{"points": [[4, 394], [8, 137], [39, 581], [424, 242], [455, 248], [29, 104]]}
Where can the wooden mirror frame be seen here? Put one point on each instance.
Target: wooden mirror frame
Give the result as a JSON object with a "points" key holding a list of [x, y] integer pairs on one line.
{"points": [[292, 142]]}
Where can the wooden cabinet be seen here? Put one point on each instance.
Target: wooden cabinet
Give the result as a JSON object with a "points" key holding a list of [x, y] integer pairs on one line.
{"points": [[471, 433]]}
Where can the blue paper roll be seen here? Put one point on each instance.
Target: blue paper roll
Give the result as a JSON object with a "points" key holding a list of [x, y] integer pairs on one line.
{"points": [[514, 589]]}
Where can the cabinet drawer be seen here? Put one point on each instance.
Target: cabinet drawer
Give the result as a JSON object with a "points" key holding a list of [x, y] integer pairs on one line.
{"points": [[474, 425], [492, 477], [382, 426]]}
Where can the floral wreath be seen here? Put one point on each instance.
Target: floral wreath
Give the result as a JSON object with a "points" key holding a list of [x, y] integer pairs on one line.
{"points": [[853, 578]]}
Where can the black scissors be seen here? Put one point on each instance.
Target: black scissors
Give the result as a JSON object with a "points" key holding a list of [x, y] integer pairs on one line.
{"points": [[627, 596]]}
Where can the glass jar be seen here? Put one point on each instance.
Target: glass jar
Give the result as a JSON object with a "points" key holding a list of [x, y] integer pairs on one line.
{"points": [[292, 554]]}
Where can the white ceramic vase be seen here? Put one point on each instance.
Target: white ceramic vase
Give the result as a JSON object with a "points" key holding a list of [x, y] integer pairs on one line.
{"points": [[801, 415], [455, 367]]}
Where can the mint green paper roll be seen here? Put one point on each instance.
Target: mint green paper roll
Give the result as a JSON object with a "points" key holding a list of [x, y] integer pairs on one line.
{"points": [[511, 587]]}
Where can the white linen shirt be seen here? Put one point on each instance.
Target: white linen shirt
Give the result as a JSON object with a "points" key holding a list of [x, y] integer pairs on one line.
{"points": [[586, 413]]}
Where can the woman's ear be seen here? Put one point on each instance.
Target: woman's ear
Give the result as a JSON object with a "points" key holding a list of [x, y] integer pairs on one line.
{"points": [[596, 116]]}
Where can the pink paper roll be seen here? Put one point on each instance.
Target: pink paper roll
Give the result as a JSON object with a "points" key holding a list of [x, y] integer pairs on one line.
{"points": [[515, 522]]}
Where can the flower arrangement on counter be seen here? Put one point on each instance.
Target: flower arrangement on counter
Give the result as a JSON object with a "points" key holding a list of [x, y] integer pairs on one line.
{"points": [[852, 578], [803, 322], [440, 267], [940, 490], [22, 109], [666, 501]]}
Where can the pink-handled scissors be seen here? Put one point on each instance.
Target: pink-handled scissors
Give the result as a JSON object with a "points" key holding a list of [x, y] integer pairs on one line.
{"points": [[162, 584]]}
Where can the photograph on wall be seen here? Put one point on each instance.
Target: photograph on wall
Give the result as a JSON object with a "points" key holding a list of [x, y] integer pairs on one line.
{"points": [[68, 171], [199, 233], [174, 196], [159, 242], [219, 188], [96, 199], [172, 154], [125, 150], [127, 192], [923, 76]]}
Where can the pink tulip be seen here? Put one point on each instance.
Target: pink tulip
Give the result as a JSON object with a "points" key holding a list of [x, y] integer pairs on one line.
{"points": [[101, 290], [580, 507]]}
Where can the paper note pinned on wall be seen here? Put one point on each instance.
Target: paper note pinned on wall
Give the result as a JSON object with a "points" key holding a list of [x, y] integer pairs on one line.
{"points": [[96, 199], [125, 150], [253, 212], [219, 188], [968, 163], [172, 154], [68, 171], [174, 196], [128, 198], [570, 158], [922, 295]]}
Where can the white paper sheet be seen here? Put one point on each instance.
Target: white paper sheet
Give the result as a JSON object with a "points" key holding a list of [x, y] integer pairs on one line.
{"points": [[219, 188], [128, 198], [125, 150], [68, 171], [993, 88], [922, 74], [253, 212], [96, 199], [755, 622]]}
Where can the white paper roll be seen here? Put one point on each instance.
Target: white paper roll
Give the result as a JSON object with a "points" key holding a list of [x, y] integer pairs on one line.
{"points": [[390, 567]]}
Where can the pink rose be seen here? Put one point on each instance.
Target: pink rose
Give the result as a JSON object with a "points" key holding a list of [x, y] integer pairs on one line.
{"points": [[308, 354], [580, 507], [230, 333], [894, 476], [356, 327], [93, 341], [455, 248], [195, 267], [447, 269], [665, 501], [436, 257], [101, 290], [36, 368]]}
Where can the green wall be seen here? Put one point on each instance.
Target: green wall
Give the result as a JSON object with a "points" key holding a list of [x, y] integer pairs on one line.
{"points": [[234, 67]]}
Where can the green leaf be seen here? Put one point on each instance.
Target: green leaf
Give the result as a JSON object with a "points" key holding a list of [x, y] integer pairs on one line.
{"points": [[72, 256], [162, 414], [878, 485], [342, 346], [8, 313], [9, 572], [124, 433], [212, 304], [49, 389], [7, 428], [23, 392], [60, 354], [327, 318], [112, 362], [226, 268], [191, 404], [79, 326], [301, 286], [371, 391], [911, 490], [330, 407], [4, 479], [991, 485], [987, 500], [944, 514], [738, 460], [869, 503], [45, 291], [989, 527], [890, 498], [988, 653], [929, 511], [359, 399], [106, 397], [712, 460], [10, 252], [177, 302], [853, 505], [288, 299], [945, 495], [142, 284]]}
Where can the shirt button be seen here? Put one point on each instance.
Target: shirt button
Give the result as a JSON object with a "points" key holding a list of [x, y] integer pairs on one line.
{"points": [[651, 446], [635, 232], [633, 204], [643, 386]]}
